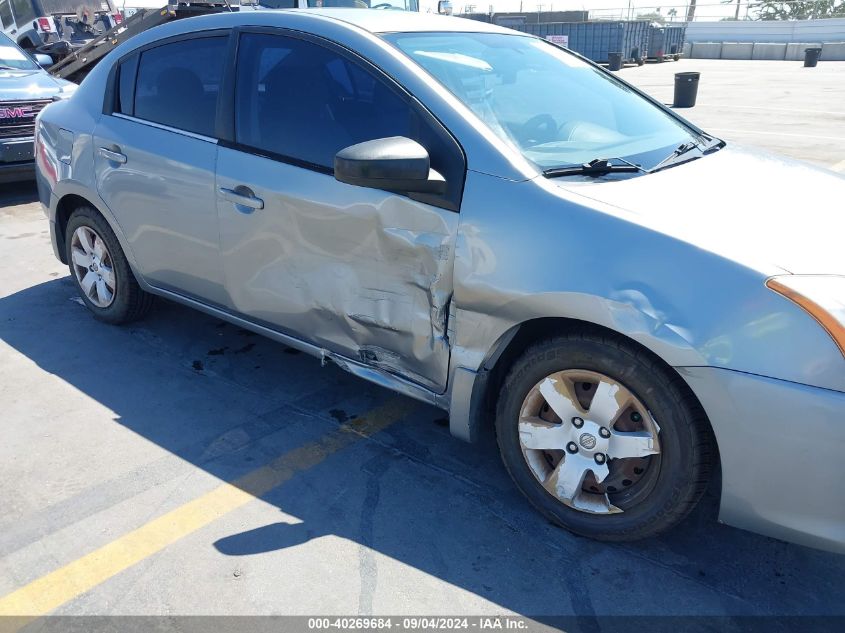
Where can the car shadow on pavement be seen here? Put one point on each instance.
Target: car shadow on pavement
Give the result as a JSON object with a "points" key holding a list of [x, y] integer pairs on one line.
{"points": [[228, 401], [14, 193]]}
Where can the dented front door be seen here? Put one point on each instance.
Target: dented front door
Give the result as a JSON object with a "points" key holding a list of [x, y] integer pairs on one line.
{"points": [[361, 272]]}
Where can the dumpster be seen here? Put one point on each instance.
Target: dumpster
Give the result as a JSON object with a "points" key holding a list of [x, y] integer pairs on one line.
{"points": [[596, 40], [665, 42]]}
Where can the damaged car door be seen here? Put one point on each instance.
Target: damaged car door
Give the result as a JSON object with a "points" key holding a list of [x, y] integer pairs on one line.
{"points": [[360, 271]]}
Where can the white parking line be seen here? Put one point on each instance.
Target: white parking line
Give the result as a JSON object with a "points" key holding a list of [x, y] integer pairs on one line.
{"points": [[824, 138], [744, 107]]}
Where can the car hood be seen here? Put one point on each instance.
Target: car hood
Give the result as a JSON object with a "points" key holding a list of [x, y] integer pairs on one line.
{"points": [[763, 211], [28, 85]]}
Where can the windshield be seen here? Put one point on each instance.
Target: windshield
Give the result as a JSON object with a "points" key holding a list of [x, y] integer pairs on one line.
{"points": [[12, 57], [554, 108]]}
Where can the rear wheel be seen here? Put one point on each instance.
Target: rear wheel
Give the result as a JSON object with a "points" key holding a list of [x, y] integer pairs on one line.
{"points": [[100, 269], [601, 438]]}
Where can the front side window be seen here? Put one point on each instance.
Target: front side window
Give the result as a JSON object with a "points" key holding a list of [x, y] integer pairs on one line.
{"points": [[177, 84], [300, 100], [12, 57], [552, 107]]}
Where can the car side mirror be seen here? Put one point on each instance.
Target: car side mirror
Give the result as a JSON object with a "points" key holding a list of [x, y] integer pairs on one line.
{"points": [[394, 164], [444, 7], [45, 61]]}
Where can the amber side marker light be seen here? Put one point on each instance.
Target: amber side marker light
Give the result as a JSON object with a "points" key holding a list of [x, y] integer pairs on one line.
{"points": [[830, 323]]}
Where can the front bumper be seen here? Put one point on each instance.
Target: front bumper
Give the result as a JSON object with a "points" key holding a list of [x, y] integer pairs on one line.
{"points": [[782, 449], [17, 159]]}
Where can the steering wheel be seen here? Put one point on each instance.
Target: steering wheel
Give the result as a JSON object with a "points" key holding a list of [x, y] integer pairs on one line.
{"points": [[539, 129], [382, 5]]}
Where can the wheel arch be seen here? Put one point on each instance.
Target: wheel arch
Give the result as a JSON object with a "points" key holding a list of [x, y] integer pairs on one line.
{"points": [[64, 208], [68, 196], [27, 41], [479, 414]]}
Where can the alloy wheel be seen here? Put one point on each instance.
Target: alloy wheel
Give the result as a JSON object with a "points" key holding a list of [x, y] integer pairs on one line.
{"points": [[93, 266]]}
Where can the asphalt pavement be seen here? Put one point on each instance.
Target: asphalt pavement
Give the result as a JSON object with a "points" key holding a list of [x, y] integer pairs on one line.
{"points": [[183, 466]]}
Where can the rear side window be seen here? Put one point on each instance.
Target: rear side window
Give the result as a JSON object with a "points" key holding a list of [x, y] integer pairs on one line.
{"points": [[5, 13], [177, 84], [23, 11]]}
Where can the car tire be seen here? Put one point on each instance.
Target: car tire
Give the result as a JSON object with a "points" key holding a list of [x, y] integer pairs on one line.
{"points": [[657, 489], [100, 270]]}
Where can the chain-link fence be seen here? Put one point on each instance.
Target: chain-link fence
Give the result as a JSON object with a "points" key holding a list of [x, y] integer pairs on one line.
{"points": [[698, 11]]}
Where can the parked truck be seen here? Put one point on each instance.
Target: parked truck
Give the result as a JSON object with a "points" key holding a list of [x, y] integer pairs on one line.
{"points": [[56, 27], [135, 17]]}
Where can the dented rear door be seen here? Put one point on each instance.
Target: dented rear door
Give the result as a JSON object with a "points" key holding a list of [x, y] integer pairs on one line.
{"points": [[361, 272]]}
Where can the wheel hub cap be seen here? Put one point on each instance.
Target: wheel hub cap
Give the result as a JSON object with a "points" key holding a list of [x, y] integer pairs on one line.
{"points": [[578, 429], [587, 441]]}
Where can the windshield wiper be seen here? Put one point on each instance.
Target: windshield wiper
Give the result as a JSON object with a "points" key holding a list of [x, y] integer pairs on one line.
{"points": [[597, 167], [4, 67], [704, 144], [679, 151]]}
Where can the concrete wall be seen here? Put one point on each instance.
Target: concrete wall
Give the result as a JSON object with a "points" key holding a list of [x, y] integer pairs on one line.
{"points": [[831, 51], [706, 50], [768, 51], [795, 51], [737, 50], [768, 31]]}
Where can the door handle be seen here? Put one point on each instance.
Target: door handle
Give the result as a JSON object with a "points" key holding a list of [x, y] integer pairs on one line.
{"points": [[242, 197], [115, 157]]}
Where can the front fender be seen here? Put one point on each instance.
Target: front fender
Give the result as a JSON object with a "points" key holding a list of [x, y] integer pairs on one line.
{"points": [[524, 253]]}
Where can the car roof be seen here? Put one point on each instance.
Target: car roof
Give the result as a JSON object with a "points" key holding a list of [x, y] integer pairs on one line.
{"points": [[386, 21]]}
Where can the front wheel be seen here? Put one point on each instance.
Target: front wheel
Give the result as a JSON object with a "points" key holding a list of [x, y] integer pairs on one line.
{"points": [[601, 438]]}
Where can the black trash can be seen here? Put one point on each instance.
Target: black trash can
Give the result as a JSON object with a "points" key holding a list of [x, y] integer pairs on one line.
{"points": [[686, 89], [614, 61], [811, 57]]}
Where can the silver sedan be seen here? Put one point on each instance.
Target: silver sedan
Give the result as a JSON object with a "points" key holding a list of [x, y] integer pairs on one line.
{"points": [[482, 220]]}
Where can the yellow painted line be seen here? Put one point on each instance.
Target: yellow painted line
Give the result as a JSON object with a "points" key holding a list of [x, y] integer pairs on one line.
{"points": [[49, 592]]}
